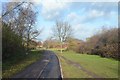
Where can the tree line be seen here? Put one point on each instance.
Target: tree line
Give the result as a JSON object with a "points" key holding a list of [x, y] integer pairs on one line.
{"points": [[104, 43], [18, 29]]}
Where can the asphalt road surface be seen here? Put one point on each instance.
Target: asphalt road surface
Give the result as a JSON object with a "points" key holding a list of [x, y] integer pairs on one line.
{"points": [[47, 67]]}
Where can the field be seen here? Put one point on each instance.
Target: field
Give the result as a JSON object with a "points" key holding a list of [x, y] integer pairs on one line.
{"points": [[87, 66]]}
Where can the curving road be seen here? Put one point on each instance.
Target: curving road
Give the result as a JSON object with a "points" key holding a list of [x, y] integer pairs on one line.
{"points": [[47, 67]]}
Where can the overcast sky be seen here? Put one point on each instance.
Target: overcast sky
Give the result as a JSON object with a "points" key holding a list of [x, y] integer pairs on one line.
{"points": [[86, 18]]}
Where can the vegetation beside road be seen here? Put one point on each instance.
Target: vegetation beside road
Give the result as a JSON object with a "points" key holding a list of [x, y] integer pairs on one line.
{"points": [[18, 37], [10, 68], [104, 44], [103, 67]]}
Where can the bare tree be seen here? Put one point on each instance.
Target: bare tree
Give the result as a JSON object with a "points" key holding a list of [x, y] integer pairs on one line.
{"points": [[12, 6], [30, 19], [47, 42], [62, 31], [21, 17]]}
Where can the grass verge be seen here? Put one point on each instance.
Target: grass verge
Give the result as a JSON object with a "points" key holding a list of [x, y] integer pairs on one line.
{"points": [[69, 71], [10, 70], [103, 67]]}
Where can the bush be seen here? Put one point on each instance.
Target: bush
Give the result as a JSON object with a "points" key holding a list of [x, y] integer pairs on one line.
{"points": [[104, 44], [12, 47]]}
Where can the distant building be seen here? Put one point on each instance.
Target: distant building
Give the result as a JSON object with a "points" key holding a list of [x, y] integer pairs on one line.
{"points": [[65, 46], [39, 44]]}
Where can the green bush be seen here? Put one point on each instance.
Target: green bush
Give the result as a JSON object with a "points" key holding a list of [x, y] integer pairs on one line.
{"points": [[12, 48]]}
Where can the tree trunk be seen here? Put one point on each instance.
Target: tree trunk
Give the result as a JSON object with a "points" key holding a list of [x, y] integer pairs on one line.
{"points": [[27, 51], [28, 39], [61, 47]]}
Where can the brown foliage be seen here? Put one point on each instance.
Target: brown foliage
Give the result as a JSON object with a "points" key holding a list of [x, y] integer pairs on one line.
{"points": [[104, 44]]}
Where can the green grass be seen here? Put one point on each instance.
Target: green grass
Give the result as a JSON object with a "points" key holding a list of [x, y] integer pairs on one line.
{"points": [[10, 70], [103, 67], [56, 49], [70, 71]]}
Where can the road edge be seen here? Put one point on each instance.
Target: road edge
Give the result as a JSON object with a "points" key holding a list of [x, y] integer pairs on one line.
{"points": [[61, 71]]}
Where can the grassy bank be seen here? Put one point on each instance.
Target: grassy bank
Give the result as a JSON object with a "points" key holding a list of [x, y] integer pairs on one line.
{"points": [[102, 67], [10, 70]]}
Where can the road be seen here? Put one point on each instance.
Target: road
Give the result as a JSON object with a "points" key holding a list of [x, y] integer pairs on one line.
{"points": [[47, 67]]}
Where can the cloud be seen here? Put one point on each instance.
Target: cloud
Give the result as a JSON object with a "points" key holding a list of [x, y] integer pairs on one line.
{"points": [[52, 5], [91, 11], [52, 9], [73, 17], [93, 15], [82, 31], [94, 10]]}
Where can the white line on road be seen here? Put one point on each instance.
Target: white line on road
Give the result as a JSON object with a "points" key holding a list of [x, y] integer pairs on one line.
{"points": [[42, 69]]}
